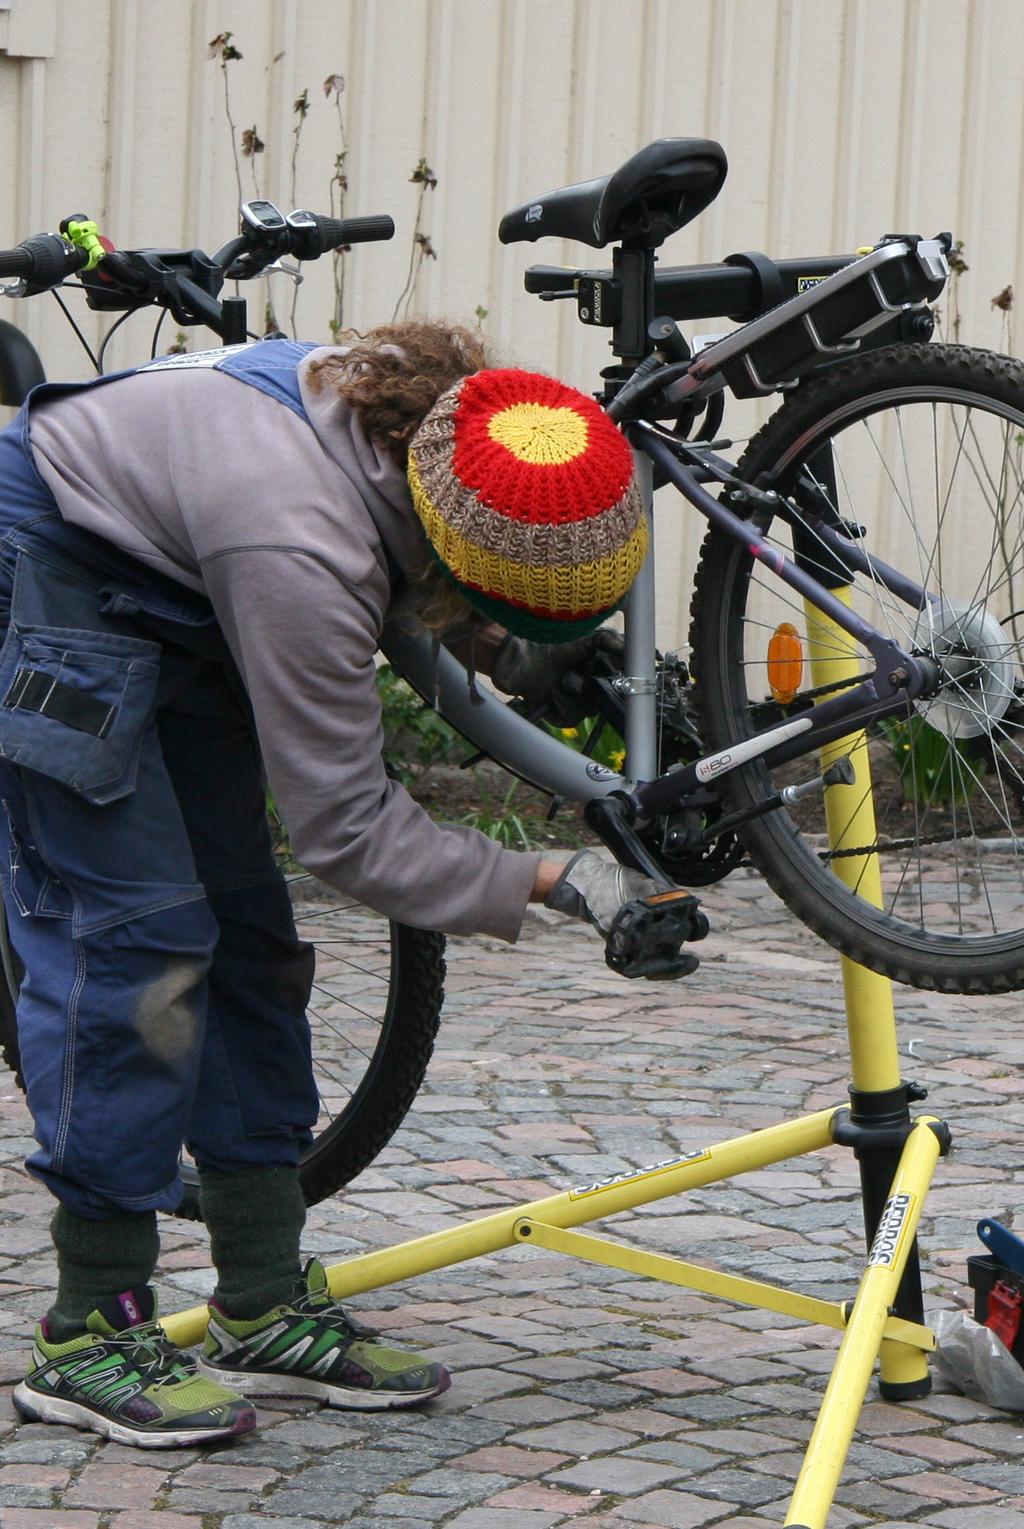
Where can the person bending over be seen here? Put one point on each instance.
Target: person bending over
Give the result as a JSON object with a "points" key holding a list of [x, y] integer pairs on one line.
{"points": [[196, 560]]}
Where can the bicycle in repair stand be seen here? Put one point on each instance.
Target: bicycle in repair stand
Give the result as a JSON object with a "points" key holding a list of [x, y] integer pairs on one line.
{"points": [[859, 594]]}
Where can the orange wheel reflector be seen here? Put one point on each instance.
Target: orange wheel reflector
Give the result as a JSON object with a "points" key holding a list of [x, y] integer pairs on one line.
{"points": [[785, 662]]}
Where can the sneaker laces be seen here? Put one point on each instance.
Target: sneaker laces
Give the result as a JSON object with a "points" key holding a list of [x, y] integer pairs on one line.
{"points": [[316, 1303], [152, 1353]]}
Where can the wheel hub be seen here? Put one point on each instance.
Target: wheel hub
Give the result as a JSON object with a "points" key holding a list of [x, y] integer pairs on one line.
{"points": [[978, 674]]}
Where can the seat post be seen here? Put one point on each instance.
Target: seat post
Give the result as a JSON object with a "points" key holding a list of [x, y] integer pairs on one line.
{"points": [[633, 269]]}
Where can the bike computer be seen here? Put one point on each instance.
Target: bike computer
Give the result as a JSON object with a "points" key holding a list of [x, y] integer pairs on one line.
{"points": [[262, 217]]}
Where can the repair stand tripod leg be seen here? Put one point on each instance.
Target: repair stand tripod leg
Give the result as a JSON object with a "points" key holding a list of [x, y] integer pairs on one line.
{"points": [[851, 1373], [573, 1207], [880, 1100]]}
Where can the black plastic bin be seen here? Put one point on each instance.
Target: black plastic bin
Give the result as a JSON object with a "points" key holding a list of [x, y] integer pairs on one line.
{"points": [[983, 1273]]}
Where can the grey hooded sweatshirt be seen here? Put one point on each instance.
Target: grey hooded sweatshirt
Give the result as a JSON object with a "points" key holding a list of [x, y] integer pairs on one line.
{"points": [[293, 533]]}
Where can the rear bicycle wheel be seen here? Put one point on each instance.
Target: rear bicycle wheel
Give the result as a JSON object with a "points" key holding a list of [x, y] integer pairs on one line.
{"points": [[919, 451], [374, 1014]]}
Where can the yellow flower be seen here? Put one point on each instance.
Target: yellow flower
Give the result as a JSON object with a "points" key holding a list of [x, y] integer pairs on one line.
{"points": [[617, 758], [570, 732]]}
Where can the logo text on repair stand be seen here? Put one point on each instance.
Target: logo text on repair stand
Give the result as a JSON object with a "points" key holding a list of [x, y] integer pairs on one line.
{"points": [[890, 1231]]}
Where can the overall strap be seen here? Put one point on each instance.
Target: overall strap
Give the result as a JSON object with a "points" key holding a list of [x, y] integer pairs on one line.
{"points": [[270, 365]]}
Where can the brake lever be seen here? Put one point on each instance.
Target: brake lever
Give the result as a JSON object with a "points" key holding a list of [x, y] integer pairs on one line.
{"points": [[281, 267]]}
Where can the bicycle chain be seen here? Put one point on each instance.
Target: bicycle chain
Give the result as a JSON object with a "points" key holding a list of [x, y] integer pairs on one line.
{"points": [[848, 684], [893, 844]]}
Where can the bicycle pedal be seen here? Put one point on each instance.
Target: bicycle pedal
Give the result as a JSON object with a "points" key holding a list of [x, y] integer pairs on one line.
{"points": [[646, 934]]}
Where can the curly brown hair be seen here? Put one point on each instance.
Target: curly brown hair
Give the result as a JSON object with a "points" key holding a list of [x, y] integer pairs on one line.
{"points": [[393, 376]]}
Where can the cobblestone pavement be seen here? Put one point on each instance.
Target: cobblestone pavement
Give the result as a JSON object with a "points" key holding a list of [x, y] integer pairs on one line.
{"points": [[583, 1397]]}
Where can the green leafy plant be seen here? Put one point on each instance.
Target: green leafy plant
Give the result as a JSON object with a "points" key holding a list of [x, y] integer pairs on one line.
{"points": [[279, 837], [935, 771], [497, 819], [595, 738], [415, 736]]}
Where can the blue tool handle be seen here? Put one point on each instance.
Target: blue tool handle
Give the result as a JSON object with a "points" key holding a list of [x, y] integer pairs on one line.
{"points": [[1003, 1244]]}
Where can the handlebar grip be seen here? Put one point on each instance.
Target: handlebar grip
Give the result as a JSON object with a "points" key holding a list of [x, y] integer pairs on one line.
{"points": [[15, 263], [312, 236], [43, 260], [337, 231]]}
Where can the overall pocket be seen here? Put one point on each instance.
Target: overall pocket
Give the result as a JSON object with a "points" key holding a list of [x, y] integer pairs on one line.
{"points": [[35, 889], [75, 699]]}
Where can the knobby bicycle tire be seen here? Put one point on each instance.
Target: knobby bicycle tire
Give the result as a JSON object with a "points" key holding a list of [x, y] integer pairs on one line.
{"points": [[378, 991], [919, 450]]}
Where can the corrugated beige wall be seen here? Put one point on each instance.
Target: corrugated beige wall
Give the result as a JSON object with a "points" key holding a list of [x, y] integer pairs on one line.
{"points": [[842, 119]]}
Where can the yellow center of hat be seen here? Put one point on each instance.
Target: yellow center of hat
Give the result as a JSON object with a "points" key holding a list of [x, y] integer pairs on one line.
{"points": [[539, 434]]}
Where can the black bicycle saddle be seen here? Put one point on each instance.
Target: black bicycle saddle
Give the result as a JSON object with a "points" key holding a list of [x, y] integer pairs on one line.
{"points": [[652, 195]]}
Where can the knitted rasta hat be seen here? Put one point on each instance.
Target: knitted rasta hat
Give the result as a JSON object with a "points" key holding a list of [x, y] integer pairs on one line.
{"points": [[527, 494]]}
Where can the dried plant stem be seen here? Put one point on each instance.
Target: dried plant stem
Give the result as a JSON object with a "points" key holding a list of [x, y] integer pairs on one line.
{"points": [[424, 177], [407, 292], [234, 131], [301, 109], [339, 182]]}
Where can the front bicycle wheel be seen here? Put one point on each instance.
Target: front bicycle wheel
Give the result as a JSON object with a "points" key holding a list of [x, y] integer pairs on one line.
{"points": [[374, 1013], [917, 869]]}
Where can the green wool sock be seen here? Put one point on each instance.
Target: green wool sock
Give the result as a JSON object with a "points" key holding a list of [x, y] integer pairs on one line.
{"points": [[255, 1219], [97, 1260]]}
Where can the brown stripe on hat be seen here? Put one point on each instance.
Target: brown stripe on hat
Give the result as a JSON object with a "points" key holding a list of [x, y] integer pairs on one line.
{"points": [[574, 542]]}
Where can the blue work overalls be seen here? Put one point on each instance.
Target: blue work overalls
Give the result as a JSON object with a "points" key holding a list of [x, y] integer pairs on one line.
{"points": [[165, 990]]}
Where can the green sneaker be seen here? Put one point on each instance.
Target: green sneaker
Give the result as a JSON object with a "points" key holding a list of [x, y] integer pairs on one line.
{"points": [[312, 1348], [124, 1379]]}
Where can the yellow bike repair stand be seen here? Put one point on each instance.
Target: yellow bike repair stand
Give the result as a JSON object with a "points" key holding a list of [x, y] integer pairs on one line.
{"points": [[897, 1158]]}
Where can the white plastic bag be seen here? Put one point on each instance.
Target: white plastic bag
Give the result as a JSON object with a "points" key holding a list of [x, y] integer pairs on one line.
{"points": [[977, 1362]]}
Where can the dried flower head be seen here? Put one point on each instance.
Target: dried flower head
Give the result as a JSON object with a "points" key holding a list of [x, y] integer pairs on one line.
{"points": [[222, 46], [423, 175], [957, 264]]}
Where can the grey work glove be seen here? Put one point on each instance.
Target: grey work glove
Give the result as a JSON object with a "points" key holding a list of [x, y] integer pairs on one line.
{"points": [[536, 671], [594, 889]]}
